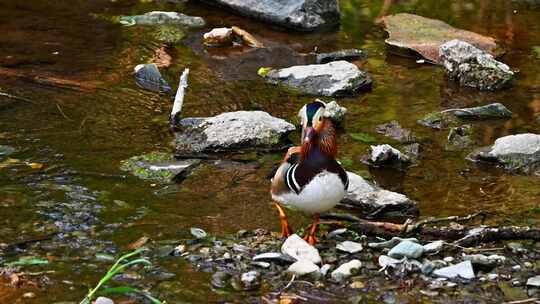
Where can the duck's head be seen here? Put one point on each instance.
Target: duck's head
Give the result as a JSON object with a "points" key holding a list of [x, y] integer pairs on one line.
{"points": [[316, 128]]}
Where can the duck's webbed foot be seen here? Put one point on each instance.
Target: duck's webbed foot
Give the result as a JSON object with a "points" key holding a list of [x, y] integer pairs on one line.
{"points": [[285, 229]]}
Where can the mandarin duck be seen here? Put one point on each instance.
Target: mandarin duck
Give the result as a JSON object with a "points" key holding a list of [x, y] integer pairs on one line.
{"points": [[309, 178]]}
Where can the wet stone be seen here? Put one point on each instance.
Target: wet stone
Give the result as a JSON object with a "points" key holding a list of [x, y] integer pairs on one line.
{"points": [[160, 18], [159, 167], [433, 247], [534, 281], [394, 130], [490, 111], [475, 68], [337, 78], [516, 153], [231, 131], [460, 138], [387, 156], [147, 76], [300, 15], [349, 55]]}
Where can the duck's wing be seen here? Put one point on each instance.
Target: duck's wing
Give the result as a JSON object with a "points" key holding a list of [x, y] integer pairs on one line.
{"points": [[278, 174], [298, 175]]}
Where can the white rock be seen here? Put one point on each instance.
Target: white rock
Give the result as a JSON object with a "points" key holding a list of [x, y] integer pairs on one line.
{"points": [[104, 300], [299, 249], [350, 247], [448, 259], [381, 154], [463, 269], [303, 267], [534, 281], [346, 270], [433, 247]]}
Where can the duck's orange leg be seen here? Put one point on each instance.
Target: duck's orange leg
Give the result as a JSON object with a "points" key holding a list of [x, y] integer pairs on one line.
{"points": [[310, 237], [285, 229]]}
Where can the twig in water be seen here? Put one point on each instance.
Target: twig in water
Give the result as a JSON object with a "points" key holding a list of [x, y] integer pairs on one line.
{"points": [[424, 222], [179, 97], [62, 112], [15, 97]]}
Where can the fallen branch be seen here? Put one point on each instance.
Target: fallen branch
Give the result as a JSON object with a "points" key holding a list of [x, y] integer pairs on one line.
{"points": [[179, 98], [456, 219], [50, 81]]}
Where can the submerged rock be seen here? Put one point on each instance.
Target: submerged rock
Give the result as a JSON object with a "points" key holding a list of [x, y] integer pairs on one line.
{"points": [[159, 166], [438, 120], [463, 270], [473, 67], [517, 153], [490, 111], [337, 78], [394, 130], [410, 34], [346, 270], [147, 76], [459, 138], [6, 150], [372, 200], [299, 249], [158, 17], [221, 279], [407, 249], [231, 131], [303, 15], [349, 54]]}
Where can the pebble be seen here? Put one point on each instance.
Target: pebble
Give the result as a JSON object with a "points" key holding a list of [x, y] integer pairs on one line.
{"points": [[407, 249], [29, 295], [463, 270], [251, 280], [386, 261], [493, 276], [346, 270], [261, 264], [274, 257], [299, 249], [448, 259], [433, 247], [104, 300], [303, 267], [528, 264], [390, 243], [336, 232], [516, 267], [357, 285], [325, 268], [350, 247], [220, 279]]}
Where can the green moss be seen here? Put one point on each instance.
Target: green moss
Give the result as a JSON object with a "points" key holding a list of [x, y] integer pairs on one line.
{"points": [[363, 137], [169, 34]]}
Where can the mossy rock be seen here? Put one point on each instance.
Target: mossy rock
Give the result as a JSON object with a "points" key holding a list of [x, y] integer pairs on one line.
{"points": [[158, 166]]}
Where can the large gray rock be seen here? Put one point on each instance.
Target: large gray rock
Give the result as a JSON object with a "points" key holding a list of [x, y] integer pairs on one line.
{"points": [[158, 18], [490, 111], [372, 200], [231, 131], [473, 67], [337, 78], [518, 153], [302, 15]]}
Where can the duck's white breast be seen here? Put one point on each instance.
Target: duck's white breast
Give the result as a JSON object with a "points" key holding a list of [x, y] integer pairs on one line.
{"points": [[321, 194]]}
